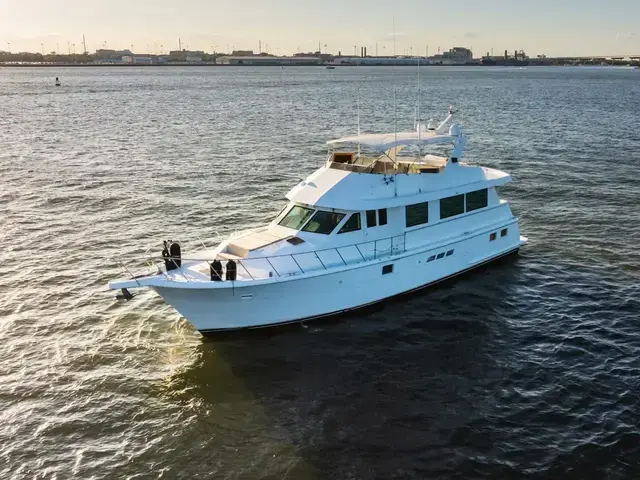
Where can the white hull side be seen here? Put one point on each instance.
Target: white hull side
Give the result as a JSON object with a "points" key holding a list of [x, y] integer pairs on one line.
{"points": [[295, 299]]}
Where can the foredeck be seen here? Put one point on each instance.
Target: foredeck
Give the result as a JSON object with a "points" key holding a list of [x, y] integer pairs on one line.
{"points": [[197, 269]]}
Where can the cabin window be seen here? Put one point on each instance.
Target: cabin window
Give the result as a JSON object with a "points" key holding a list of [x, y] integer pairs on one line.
{"points": [[382, 216], [296, 217], [493, 236], [440, 255], [352, 224], [371, 218], [449, 253], [416, 214], [503, 232], [387, 269], [451, 206], [477, 199], [323, 222], [431, 258]]}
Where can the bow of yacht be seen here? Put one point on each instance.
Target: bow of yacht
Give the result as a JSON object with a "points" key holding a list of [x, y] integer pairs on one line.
{"points": [[382, 217]]}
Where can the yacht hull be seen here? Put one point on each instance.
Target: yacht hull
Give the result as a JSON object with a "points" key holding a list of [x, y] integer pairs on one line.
{"points": [[213, 311]]}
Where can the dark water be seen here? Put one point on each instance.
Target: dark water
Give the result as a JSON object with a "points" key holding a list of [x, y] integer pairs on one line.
{"points": [[526, 370]]}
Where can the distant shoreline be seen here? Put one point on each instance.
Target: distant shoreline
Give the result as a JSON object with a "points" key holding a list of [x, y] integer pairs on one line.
{"points": [[171, 65]]}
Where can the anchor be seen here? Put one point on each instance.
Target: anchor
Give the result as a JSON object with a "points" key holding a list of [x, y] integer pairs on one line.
{"points": [[125, 295]]}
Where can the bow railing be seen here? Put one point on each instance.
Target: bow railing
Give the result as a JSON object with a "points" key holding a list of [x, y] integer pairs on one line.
{"points": [[284, 265]]}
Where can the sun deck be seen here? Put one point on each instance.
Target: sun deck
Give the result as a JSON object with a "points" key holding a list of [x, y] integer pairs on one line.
{"points": [[386, 165]]}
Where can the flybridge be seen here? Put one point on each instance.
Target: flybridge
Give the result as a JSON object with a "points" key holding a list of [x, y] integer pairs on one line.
{"points": [[385, 141], [386, 148], [423, 135]]}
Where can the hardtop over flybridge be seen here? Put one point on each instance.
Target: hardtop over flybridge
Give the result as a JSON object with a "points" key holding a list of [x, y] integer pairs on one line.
{"points": [[381, 217]]}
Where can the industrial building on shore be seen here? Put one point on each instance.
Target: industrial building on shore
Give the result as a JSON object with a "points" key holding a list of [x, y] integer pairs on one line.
{"points": [[455, 56], [267, 60], [185, 57]]}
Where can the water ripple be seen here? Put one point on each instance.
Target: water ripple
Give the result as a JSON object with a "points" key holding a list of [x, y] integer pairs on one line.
{"points": [[527, 369]]}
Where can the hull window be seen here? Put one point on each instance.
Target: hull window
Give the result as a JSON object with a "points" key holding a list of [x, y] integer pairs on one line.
{"points": [[416, 214], [439, 256], [352, 224], [387, 269], [371, 218], [503, 232], [382, 216], [451, 206], [323, 222], [493, 236], [477, 200]]}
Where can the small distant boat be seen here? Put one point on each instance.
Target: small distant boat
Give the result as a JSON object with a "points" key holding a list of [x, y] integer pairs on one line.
{"points": [[330, 67], [57, 82]]}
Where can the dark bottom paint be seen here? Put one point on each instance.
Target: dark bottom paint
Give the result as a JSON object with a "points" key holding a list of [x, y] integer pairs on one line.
{"points": [[272, 328]]}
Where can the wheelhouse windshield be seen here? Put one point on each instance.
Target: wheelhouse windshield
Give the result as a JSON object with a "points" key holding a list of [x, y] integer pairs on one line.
{"points": [[323, 222], [296, 217]]}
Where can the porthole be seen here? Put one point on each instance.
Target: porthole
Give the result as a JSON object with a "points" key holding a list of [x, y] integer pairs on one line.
{"points": [[440, 255], [387, 269], [492, 237], [431, 258], [449, 253], [503, 232]]}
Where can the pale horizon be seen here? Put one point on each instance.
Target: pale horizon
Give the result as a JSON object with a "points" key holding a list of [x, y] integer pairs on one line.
{"points": [[286, 27]]}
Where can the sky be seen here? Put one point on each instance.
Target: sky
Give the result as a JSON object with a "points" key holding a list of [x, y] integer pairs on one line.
{"points": [[553, 28]]}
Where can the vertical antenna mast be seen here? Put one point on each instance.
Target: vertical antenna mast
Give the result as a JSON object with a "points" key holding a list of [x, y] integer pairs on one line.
{"points": [[395, 109], [84, 44], [418, 101], [358, 103]]}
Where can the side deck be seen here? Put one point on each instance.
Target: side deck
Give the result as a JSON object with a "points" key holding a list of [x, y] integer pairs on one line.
{"points": [[196, 271]]}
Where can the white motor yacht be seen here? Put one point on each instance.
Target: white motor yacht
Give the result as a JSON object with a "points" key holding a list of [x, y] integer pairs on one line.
{"points": [[379, 219]]}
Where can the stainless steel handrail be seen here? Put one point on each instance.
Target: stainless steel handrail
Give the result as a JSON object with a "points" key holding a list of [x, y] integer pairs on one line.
{"points": [[378, 252]]}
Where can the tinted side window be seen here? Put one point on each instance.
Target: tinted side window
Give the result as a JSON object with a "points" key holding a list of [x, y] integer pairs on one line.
{"points": [[416, 214], [352, 224], [382, 216], [451, 206], [477, 199], [371, 218]]}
